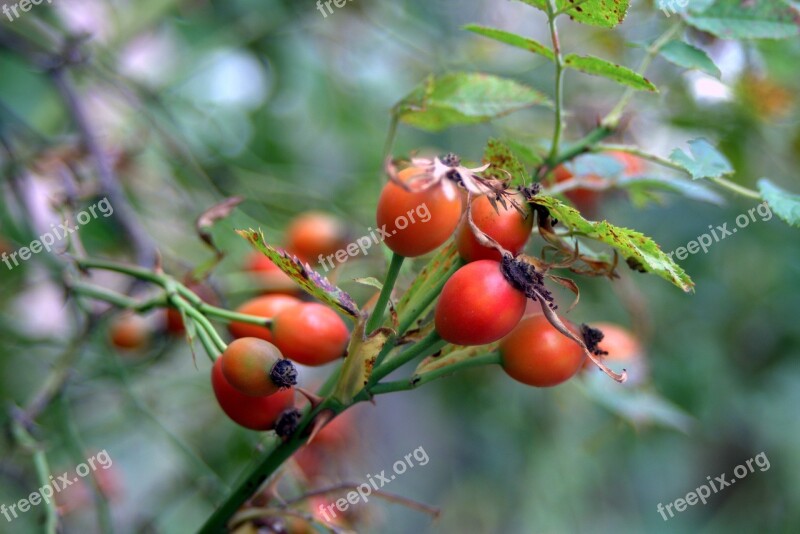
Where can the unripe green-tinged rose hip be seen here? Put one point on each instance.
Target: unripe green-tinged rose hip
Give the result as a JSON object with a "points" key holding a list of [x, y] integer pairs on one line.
{"points": [[256, 367]]}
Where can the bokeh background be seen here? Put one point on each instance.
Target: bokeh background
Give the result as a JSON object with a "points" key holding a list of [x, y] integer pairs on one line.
{"points": [[201, 100]]}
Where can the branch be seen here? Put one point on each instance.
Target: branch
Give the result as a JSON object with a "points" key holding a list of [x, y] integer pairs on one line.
{"points": [[142, 244]]}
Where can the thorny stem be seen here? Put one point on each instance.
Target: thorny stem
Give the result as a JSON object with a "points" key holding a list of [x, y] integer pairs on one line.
{"points": [[145, 251], [612, 119], [552, 13]]}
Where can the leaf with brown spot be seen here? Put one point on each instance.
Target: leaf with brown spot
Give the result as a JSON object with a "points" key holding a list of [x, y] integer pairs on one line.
{"points": [[630, 243], [312, 282]]}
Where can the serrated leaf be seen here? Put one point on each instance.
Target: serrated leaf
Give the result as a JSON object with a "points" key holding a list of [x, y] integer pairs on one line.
{"points": [[751, 19], [464, 98], [784, 204], [603, 13], [512, 39], [634, 246], [312, 282], [500, 157], [687, 56], [600, 67], [705, 160]]}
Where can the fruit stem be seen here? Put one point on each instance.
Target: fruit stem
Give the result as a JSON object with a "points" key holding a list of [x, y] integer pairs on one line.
{"points": [[425, 347], [230, 316], [427, 299], [117, 299], [376, 318], [491, 358]]}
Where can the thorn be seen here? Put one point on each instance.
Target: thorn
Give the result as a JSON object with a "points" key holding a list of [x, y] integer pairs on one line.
{"points": [[314, 399], [322, 419]]}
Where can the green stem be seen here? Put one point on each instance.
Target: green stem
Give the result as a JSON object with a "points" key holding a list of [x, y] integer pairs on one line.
{"points": [[581, 146], [559, 90], [425, 347], [255, 478], [208, 345], [390, 136], [612, 119], [416, 308], [229, 316], [136, 272], [736, 188], [117, 299], [492, 358], [376, 318], [26, 441], [664, 162]]}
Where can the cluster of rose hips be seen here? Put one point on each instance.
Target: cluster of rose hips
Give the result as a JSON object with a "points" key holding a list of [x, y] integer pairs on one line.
{"points": [[253, 379], [492, 298], [484, 301]]}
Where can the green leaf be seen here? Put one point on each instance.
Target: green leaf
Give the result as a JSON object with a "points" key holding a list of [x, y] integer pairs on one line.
{"points": [[636, 248], [603, 13], [600, 67], [705, 161], [501, 158], [512, 39], [464, 98], [525, 153], [369, 281], [312, 282], [686, 56], [786, 205], [638, 406], [751, 19]]}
